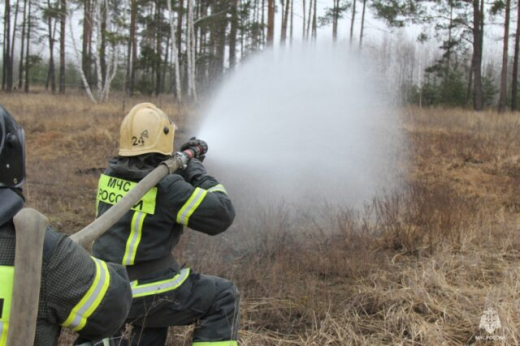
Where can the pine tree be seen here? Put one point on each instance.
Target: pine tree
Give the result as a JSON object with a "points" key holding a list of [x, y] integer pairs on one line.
{"points": [[63, 19], [270, 22], [51, 16], [514, 84], [503, 75], [362, 25], [7, 79]]}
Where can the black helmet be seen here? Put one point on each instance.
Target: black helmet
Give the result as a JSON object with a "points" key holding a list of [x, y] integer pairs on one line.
{"points": [[12, 151]]}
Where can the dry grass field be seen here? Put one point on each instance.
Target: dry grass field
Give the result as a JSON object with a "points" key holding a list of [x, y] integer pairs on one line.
{"points": [[419, 267]]}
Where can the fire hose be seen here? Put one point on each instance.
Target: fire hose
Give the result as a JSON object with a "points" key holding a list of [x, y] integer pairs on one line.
{"points": [[87, 235], [30, 233]]}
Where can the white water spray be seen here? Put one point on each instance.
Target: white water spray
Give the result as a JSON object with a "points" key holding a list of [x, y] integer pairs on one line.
{"points": [[306, 125]]}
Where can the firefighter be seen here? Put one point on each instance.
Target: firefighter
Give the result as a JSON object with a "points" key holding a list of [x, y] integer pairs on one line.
{"points": [[164, 293], [80, 292]]}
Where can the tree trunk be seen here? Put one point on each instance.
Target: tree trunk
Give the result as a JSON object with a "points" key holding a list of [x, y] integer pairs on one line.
{"points": [[104, 78], [167, 62], [63, 18], [8, 66], [447, 67], [220, 39], [13, 40], [335, 20], [28, 52], [270, 23], [233, 34], [256, 34], [352, 21], [362, 29], [309, 19], [97, 21], [175, 55], [179, 30], [51, 75], [4, 56], [103, 50], [514, 88], [158, 49], [448, 52], [304, 18], [292, 21], [315, 21], [478, 18], [10, 71], [263, 23], [20, 66], [87, 39], [204, 46], [285, 21], [282, 18], [129, 47], [190, 49], [133, 38], [77, 62], [197, 13], [470, 83], [193, 55], [503, 77]]}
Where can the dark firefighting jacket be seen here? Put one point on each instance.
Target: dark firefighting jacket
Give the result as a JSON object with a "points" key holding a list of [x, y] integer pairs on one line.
{"points": [[155, 224], [80, 292]]}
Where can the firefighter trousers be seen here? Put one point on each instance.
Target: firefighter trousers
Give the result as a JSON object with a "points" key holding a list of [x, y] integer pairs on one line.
{"points": [[209, 302]]}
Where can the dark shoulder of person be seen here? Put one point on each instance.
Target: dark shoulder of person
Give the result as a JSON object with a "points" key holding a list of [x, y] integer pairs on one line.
{"points": [[52, 238]]}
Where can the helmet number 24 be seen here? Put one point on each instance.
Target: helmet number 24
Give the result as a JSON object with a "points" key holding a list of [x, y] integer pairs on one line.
{"points": [[139, 142]]}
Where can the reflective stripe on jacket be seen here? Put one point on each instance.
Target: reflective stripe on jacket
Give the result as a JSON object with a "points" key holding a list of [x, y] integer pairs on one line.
{"points": [[90, 301], [6, 295]]}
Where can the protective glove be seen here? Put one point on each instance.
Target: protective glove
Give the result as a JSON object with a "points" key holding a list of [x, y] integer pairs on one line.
{"points": [[193, 142], [194, 171]]}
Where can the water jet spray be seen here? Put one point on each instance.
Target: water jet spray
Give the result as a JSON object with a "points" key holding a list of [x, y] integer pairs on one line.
{"points": [[305, 124]]}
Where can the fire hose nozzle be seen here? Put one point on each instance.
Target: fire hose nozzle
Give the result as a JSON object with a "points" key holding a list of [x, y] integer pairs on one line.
{"points": [[197, 150], [181, 159]]}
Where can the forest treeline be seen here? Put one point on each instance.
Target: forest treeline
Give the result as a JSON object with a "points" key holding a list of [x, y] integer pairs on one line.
{"points": [[184, 47]]}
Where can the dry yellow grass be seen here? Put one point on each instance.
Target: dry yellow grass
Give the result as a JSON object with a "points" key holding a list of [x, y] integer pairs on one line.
{"points": [[415, 268]]}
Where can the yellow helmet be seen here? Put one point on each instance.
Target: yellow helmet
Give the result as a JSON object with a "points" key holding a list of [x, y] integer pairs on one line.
{"points": [[146, 129]]}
